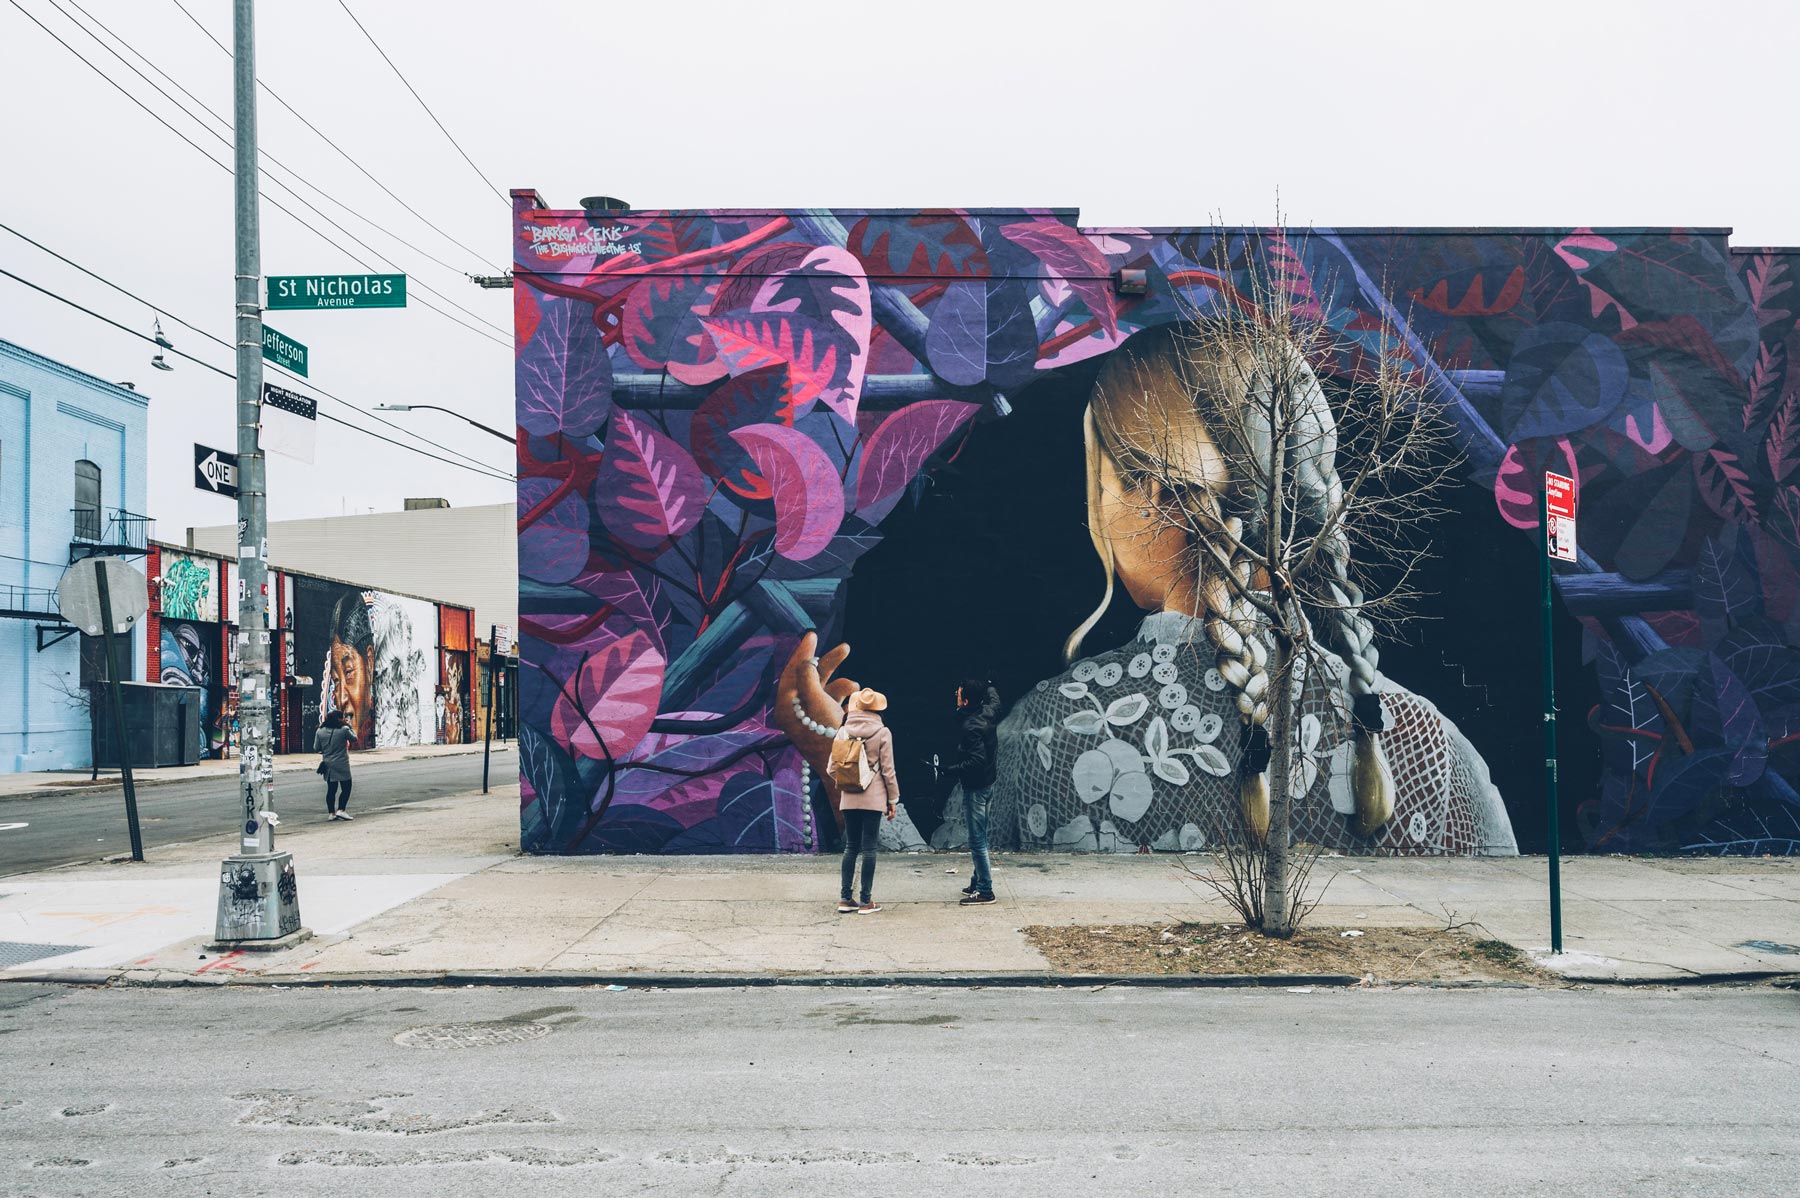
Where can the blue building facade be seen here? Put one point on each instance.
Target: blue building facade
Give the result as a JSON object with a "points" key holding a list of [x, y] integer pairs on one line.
{"points": [[72, 485]]}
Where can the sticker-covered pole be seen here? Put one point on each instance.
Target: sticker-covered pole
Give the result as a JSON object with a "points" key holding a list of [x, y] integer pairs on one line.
{"points": [[487, 747], [1552, 815], [258, 891]]}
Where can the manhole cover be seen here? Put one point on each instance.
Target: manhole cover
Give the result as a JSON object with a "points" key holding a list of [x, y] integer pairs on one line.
{"points": [[471, 1035], [15, 952], [1771, 946]]}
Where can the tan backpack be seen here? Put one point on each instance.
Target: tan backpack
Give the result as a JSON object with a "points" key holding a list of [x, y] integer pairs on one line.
{"points": [[850, 764]]}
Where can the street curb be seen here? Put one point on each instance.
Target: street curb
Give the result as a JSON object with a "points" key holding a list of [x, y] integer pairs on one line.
{"points": [[298, 767], [1697, 979], [698, 981]]}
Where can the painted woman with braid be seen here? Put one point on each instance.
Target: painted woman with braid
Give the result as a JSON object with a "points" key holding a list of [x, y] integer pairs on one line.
{"points": [[1159, 743]]}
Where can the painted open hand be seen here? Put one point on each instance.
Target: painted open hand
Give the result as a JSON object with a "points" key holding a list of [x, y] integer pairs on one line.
{"points": [[806, 686]]}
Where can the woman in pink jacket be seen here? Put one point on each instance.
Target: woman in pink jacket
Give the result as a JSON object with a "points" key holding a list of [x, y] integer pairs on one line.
{"points": [[863, 808]]}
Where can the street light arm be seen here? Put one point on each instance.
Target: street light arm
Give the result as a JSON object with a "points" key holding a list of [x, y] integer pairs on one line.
{"points": [[408, 407]]}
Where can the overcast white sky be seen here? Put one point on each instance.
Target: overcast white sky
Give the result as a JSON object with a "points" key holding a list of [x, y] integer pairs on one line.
{"points": [[1575, 112]]}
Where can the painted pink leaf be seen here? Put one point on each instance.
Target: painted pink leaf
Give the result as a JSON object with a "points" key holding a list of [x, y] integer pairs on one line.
{"points": [[1074, 259], [1765, 281], [1784, 437], [650, 490], [1518, 482], [1725, 486], [1764, 387], [615, 695], [1569, 248], [809, 495], [897, 450], [756, 342], [660, 326]]}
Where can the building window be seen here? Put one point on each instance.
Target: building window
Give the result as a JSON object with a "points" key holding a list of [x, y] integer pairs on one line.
{"points": [[93, 659], [87, 501]]}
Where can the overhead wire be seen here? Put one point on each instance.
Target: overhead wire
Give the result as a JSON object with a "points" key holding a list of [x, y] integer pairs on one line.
{"points": [[303, 381], [346, 155], [226, 122], [494, 474], [502, 339], [424, 105]]}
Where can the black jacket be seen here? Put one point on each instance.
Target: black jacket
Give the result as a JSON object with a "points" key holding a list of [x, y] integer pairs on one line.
{"points": [[975, 762]]}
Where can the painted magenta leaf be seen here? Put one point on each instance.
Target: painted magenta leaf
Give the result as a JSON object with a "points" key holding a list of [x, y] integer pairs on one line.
{"points": [[1074, 259], [759, 397], [930, 244], [898, 448], [553, 531], [1725, 486], [809, 494], [812, 313], [608, 706], [650, 491], [750, 278], [562, 375]]}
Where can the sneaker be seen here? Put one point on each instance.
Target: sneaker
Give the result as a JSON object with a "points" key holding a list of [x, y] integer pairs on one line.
{"points": [[334, 815], [868, 908], [845, 906], [969, 891], [978, 899], [345, 815]]}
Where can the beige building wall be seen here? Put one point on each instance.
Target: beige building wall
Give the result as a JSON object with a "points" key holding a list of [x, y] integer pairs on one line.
{"points": [[466, 555]]}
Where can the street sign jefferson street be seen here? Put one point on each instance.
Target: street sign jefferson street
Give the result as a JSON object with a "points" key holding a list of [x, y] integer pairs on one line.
{"points": [[336, 291], [285, 352]]}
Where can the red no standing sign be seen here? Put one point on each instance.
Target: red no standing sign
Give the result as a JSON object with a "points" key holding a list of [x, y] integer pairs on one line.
{"points": [[1559, 523]]}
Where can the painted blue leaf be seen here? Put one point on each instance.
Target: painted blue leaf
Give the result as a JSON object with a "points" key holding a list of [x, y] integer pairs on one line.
{"points": [[1725, 593], [1684, 785], [1726, 715], [1672, 673], [563, 377], [982, 331], [553, 547], [1561, 378]]}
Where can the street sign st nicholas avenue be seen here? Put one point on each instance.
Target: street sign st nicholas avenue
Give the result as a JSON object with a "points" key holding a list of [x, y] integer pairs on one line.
{"points": [[336, 291]]}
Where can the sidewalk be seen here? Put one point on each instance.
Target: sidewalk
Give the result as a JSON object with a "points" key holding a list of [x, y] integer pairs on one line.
{"points": [[435, 893], [61, 782]]}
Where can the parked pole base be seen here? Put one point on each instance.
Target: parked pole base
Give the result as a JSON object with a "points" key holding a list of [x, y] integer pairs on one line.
{"points": [[259, 946], [259, 902]]}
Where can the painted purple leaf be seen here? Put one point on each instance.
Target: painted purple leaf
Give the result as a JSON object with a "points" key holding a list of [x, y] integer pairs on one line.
{"points": [[897, 450], [563, 376], [983, 331], [1074, 259], [554, 547], [1561, 378], [809, 495], [650, 490], [1726, 715], [758, 397], [607, 708], [660, 326]]}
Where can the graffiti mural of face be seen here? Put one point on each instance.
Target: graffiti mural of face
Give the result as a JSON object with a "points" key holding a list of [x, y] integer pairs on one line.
{"points": [[353, 689]]}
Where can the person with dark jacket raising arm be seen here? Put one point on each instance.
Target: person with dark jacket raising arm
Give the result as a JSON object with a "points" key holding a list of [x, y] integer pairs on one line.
{"points": [[974, 766]]}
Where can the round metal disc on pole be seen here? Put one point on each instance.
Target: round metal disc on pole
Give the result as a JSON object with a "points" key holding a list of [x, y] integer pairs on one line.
{"points": [[78, 595]]}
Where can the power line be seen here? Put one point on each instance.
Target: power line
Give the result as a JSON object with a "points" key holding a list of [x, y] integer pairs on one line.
{"points": [[228, 374], [307, 383], [289, 187], [226, 122], [423, 104], [347, 156], [301, 221]]}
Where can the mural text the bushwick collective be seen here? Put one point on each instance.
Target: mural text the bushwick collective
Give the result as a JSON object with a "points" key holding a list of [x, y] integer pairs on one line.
{"points": [[736, 428]]}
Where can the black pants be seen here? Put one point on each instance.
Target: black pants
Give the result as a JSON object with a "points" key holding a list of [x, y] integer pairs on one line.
{"points": [[337, 795], [862, 832]]}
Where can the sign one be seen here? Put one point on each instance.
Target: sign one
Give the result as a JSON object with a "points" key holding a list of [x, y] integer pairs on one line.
{"points": [[215, 471], [1559, 517], [336, 291]]}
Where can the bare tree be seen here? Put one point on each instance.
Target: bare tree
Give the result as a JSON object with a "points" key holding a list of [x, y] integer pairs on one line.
{"points": [[86, 700], [1273, 484]]}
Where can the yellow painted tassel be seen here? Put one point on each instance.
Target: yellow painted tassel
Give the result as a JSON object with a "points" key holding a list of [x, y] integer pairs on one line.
{"points": [[1253, 795], [1372, 783]]}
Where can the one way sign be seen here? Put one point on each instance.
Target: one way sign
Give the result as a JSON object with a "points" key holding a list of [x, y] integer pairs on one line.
{"points": [[215, 471]]}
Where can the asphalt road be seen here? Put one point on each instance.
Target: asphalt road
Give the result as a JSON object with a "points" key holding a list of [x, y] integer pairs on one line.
{"points": [[90, 824], [838, 1091]]}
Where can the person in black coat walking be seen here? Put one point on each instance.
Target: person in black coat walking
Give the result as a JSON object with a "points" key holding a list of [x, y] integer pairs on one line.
{"points": [[974, 765]]}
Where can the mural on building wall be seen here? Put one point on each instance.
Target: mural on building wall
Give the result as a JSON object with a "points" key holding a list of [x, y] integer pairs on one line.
{"points": [[723, 415], [189, 655], [452, 699], [367, 653], [189, 590]]}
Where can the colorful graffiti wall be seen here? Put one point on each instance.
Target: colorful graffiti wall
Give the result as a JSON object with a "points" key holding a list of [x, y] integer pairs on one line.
{"points": [[369, 654], [738, 427]]}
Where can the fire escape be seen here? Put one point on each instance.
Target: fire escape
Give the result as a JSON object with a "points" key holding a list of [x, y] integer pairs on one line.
{"points": [[98, 533]]}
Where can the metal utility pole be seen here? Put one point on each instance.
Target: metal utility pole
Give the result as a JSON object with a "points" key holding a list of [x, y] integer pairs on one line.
{"points": [[258, 892], [118, 707], [487, 747], [1552, 812]]}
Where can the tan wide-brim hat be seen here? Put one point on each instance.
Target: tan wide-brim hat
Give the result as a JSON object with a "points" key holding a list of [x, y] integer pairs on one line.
{"points": [[869, 699]]}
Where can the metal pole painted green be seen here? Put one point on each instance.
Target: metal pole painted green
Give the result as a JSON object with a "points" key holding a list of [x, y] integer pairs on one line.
{"points": [[1551, 813]]}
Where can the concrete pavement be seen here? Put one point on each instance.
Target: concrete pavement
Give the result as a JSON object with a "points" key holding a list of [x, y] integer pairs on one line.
{"points": [[437, 888], [801, 1091]]}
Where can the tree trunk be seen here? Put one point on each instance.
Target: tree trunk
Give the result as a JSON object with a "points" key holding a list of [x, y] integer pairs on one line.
{"points": [[1278, 918]]}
